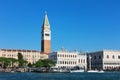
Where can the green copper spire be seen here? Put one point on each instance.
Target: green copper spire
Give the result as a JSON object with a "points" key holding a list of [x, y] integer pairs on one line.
{"points": [[46, 22]]}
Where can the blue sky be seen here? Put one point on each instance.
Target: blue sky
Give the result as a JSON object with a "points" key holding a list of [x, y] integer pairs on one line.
{"points": [[86, 25]]}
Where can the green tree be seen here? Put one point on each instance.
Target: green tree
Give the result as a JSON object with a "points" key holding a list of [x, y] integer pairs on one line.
{"points": [[44, 63], [7, 61], [21, 61], [39, 63], [29, 65], [48, 63], [25, 62], [12, 61], [20, 56]]}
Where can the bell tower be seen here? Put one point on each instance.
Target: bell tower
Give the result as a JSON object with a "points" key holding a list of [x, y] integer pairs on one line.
{"points": [[46, 36]]}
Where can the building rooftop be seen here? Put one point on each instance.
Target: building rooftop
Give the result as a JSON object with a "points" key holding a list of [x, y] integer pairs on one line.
{"points": [[105, 50], [18, 50]]}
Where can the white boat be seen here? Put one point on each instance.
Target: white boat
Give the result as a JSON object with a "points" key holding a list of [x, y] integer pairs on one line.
{"points": [[101, 71], [77, 71], [95, 71], [56, 70], [12, 71]]}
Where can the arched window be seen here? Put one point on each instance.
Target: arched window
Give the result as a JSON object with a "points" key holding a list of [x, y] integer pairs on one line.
{"points": [[69, 56], [79, 60], [75, 56], [84, 61], [69, 62], [118, 57], [63, 62], [107, 56], [65, 55], [113, 57], [75, 62]]}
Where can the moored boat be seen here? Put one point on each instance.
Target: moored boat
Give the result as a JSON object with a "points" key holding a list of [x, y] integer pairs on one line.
{"points": [[92, 71], [95, 71], [101, 71], [77, 71], [57, 70]]}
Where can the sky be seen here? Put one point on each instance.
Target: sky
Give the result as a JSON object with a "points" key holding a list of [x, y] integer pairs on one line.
{"points": [[85, 25]]}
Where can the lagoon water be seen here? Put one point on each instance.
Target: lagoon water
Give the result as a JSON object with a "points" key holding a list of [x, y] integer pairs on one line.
{"points": [[60, 76]]}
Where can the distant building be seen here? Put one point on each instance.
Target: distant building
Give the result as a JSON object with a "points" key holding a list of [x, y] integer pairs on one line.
{"points": [[105, 60], [29, 55], [66, 59]]}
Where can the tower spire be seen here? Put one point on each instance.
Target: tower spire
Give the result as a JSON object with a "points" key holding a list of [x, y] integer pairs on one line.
{"points": [[46, 21]]}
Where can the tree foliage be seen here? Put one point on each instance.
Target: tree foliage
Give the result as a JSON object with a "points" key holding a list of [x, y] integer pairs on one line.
{"points": [[20, 56], [21, 61], [29, 65], [12, 61], [44, 63], [39, 63], [7, 61]]}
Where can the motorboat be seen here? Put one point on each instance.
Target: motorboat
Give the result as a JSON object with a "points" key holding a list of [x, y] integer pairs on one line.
{"points": [[95, 71], [92, 71], [57, 70], [101, 71], [77, 71]]}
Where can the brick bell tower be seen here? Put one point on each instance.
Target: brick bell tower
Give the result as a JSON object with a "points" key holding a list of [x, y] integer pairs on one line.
{"points": [[46, 36]]}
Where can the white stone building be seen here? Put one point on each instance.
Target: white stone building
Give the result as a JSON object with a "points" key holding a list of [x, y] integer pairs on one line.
{"points": [[105, 60], [67, 59]]}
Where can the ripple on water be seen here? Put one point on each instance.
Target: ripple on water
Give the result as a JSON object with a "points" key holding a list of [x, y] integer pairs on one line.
{"points": [[60, 76]]}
